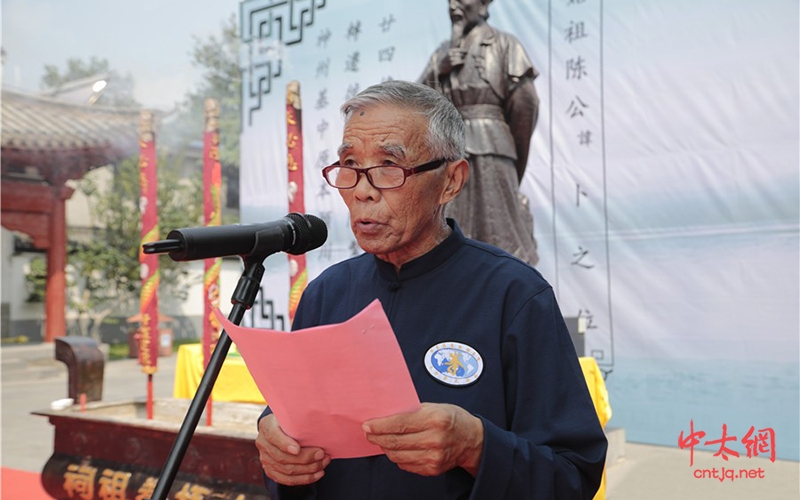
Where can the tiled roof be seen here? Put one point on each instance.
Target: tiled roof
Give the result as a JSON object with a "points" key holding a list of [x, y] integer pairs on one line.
{"points": [[50, 134]]}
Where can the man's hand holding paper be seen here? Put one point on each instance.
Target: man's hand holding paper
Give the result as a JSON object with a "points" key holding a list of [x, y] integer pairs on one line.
{"points": [[431, 441], [282, 458]]}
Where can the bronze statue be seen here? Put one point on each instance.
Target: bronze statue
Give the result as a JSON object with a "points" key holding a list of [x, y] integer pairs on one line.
{"points": [[489, 77]]}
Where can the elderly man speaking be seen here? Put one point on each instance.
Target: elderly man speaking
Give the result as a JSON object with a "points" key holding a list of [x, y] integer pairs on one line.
{"points": [[526, 427]]}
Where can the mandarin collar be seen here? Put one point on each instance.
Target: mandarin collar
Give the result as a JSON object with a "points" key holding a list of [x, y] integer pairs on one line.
{"points": [[424, 263]]}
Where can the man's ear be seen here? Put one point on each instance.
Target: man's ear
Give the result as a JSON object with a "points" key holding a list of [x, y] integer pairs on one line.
{"points": [[456, 176]]}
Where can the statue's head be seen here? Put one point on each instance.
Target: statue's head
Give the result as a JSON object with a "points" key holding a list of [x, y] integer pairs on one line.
{"points": [[469, 12]]}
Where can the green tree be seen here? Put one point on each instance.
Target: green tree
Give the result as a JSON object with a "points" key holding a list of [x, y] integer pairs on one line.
{"points": [[119, 90], [36, 279], [76, 69], [218, 58], [107, 265]]}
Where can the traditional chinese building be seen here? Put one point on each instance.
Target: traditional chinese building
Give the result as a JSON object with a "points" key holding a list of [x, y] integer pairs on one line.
{"points": [[45, 143]]}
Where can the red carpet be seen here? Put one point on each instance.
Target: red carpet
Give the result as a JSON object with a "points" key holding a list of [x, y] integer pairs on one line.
{"points": [[21, 485]]}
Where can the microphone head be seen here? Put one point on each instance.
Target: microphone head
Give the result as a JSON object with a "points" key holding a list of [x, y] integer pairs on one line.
{"points": [[310, 233]]}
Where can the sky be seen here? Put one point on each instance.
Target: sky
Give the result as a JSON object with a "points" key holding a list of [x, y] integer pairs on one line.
{"points": [[149, 39]]}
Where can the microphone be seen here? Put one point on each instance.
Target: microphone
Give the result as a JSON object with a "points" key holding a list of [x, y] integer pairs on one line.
{"points": [[295, 234]]}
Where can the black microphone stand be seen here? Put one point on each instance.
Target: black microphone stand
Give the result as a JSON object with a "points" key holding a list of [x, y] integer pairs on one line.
{"points": [[242, 299]]}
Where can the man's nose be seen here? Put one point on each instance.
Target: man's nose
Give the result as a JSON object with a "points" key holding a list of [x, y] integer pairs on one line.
{"points": [[364, 189]]}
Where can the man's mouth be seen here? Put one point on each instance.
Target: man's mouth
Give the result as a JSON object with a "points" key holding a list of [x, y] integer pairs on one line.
{"points": [[367, 224]]}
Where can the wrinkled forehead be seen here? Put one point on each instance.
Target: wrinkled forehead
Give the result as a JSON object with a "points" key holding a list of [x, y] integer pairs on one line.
{"points": [[394, 149], [389, 130]]}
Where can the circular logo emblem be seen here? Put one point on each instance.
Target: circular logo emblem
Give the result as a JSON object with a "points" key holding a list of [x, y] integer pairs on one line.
{"points": [[454, 363]]}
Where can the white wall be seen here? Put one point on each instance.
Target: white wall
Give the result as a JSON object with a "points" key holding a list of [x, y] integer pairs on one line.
{"points": [[78, 207], [24, 318], [195, 302]]}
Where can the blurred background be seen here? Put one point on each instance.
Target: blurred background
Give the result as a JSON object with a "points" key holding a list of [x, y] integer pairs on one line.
{"points": [[75, 77], [663, 175]]}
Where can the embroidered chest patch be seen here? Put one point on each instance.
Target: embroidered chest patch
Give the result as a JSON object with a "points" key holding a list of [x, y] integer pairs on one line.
{"points": [[454, 363]]}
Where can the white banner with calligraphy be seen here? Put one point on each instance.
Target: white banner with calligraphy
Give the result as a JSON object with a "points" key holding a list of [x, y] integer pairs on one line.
{"points": [[663, 180]]}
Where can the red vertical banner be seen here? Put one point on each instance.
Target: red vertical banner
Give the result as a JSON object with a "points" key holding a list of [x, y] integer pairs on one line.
{"points": [[212, 208], [148, 339], [298, 275]]}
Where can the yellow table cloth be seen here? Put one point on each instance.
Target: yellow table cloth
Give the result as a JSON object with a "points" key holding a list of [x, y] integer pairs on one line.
{"points": [[234, 382], [599, 393]]}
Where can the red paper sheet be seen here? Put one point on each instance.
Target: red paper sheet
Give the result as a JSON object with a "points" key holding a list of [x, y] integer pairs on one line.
{"points": [[322, 383]]}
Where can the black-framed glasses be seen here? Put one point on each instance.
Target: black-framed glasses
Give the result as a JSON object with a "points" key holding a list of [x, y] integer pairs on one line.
{"points": [[381, 177]]}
